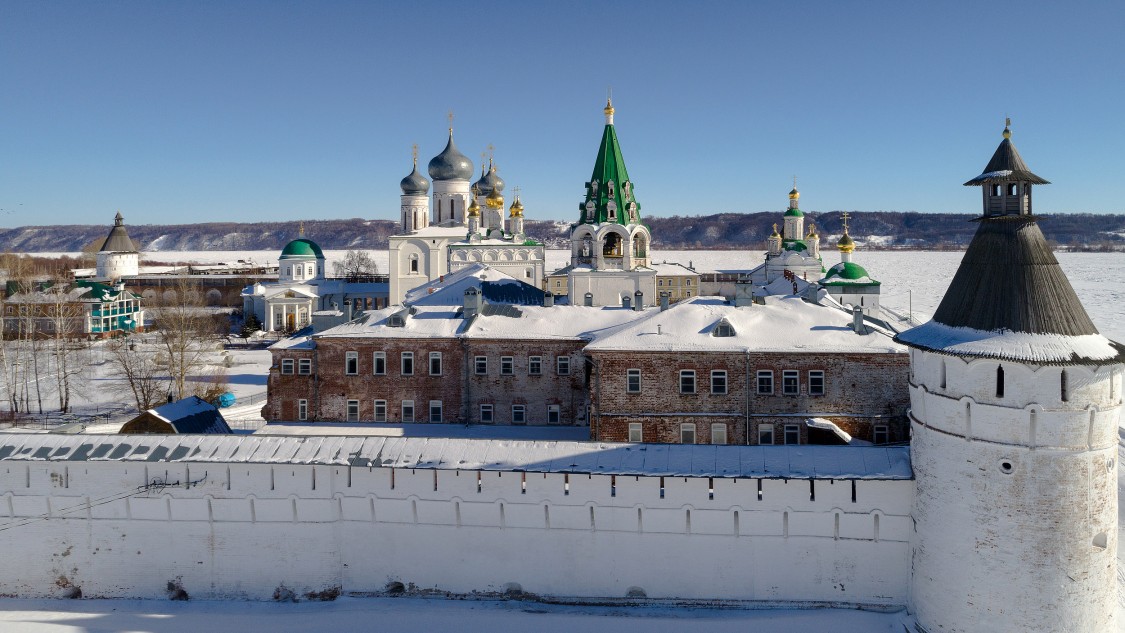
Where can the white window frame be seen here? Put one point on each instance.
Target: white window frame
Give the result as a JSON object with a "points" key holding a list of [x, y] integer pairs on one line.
{"points": [[380, 409], [407, 405], [718, 433], [351, 363], [534, 365], [554, 414], [636, 432], [687, 428], [792, 429], [379, 364], [435, 356], [435, 407], [507, 365], [287, 366], [632, 381], [788, 389], [480, 365], [722, 375], [881, 430], [519, 414], [487, 414], [814, 376], [304, 367], [685, 374], [353, 411], [767, 375], [766, 431], [302, 409], [562, 365], [403, 359]]}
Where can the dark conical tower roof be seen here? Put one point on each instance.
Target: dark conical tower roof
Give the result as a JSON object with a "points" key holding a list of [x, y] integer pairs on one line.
{"points": [[1006, 165], [1009, 298], [118, 239]]}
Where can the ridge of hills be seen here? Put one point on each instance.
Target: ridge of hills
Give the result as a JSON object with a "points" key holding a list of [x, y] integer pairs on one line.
{"points": [[873, 230]]}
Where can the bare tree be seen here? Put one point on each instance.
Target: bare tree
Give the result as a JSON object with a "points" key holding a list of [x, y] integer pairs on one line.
{"points": [[63, 327], [186, 330], [134, 363], [356, 265]]}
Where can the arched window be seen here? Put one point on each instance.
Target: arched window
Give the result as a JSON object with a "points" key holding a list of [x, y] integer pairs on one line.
{"points": [[1013, 189], [999, 381], [413, 263], [995, 190]]}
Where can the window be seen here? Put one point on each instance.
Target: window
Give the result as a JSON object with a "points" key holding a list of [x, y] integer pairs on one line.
{"points": [[353, 410], [304, 366], [414, 264], [999, 381], [765, 383], [480, 364], [287, 366], [562, 365], [534, 365], [507, 366], [553, 414], [881, 434], [380, 410], [351, 363], [792, 434], [636, 434], [816, 383], [407, 410], [765, 434], [435, 410], [519, 414], [302, 409], [633, 381], [407, 363], [719, 383], [687, 433], [486, 414], [718, 433], [790, 382], [379, 363], [687, 381], [723, 329], [435, 363]]}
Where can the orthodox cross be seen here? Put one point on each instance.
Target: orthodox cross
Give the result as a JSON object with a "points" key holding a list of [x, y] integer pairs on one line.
{"points": [[450, 116], [844, 216], [516, 190], [414, 151], [491, 150]]}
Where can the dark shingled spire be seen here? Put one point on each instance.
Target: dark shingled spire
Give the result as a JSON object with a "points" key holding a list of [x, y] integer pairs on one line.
{"points": [[1006, 166], [118, 239]]}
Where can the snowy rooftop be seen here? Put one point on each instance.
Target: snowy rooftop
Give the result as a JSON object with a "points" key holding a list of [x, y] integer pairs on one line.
{"points": [[1008, 345], [782, 324], [673, 460], [450, 289]]}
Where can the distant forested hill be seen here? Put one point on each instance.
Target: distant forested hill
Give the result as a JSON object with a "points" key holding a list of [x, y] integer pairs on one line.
{"points": [[874, 229]]}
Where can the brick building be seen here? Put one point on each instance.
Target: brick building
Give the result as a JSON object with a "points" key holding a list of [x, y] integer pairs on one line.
{"points": [[784, 372]]}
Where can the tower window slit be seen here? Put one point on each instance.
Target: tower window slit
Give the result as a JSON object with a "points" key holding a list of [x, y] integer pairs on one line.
{"points": [[1000, 381], [1064, 393]]}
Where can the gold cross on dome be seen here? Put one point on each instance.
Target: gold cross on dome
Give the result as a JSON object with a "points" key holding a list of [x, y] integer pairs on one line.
{"points": [[450, 116], [844, 216]]}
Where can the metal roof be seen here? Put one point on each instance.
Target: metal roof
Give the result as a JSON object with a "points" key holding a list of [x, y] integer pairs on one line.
{"points": [[673, 460]]}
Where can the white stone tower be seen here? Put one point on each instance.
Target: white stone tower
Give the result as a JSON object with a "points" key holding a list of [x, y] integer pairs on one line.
{"points": [[1015, 401], [118, 256], [415, 199], [451, 170]]}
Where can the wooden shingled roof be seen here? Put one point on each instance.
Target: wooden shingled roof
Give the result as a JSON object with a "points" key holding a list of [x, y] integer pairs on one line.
{"points": [[1006, 166], [1010, 280]]}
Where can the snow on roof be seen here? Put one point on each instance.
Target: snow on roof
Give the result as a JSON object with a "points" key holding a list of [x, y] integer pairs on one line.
{"points": [[555, 322], [419, 322], [450, 289], [672, 269], [829, 425], [781, 324], [191, 415], [1018, 346], [670, 460]]}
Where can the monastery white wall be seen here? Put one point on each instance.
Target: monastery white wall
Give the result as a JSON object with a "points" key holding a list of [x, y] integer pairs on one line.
{"points": [[244, 529], [114, 265]]}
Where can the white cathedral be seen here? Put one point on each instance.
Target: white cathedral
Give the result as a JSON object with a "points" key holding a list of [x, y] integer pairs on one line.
{"points": [[468, 226]]}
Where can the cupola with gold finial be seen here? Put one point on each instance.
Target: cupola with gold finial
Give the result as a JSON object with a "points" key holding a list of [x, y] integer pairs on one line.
{"points": [[845, 244], [774, 241], [516, 210], [474, 209]]}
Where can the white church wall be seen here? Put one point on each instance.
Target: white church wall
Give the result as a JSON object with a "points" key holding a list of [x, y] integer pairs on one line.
{"points": [[245, 529]]}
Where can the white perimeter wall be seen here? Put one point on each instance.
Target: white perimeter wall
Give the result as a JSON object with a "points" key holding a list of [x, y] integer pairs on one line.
{"points": [[245, 529]]}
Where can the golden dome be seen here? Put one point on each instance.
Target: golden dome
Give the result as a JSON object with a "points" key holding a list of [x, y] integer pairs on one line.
{"points": [[846, 244], [516, 210], [608, 107], [474, 209], [812, 231], [775, 233], [793, 195], [1007, 131], [495, 200]]}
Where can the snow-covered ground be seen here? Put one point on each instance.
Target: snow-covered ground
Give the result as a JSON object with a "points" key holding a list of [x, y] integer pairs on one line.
{"points": [[416, 614]]}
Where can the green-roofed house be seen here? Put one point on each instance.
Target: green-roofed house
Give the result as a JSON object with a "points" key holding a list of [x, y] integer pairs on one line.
{"points": [[609, 263], [848, 282], [72, 310]]}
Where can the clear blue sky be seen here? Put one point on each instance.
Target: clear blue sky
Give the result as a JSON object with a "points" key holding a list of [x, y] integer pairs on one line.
{"points": [[255, 111]]}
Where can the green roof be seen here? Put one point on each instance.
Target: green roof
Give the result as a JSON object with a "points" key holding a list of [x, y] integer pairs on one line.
{"points": [[302, 247], [609, 166], [847, 273], [794, 213], [795, 245]]}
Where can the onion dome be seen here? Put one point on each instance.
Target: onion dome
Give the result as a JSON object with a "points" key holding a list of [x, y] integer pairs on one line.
{"points": [[495, 200], [450, 164], [494, 182], [812, 232], [848, 273], [302, 248], [794, 212], [846, 244], [474, 209], [516, 210], [794, 195], [415, 183], [480, 187]]}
